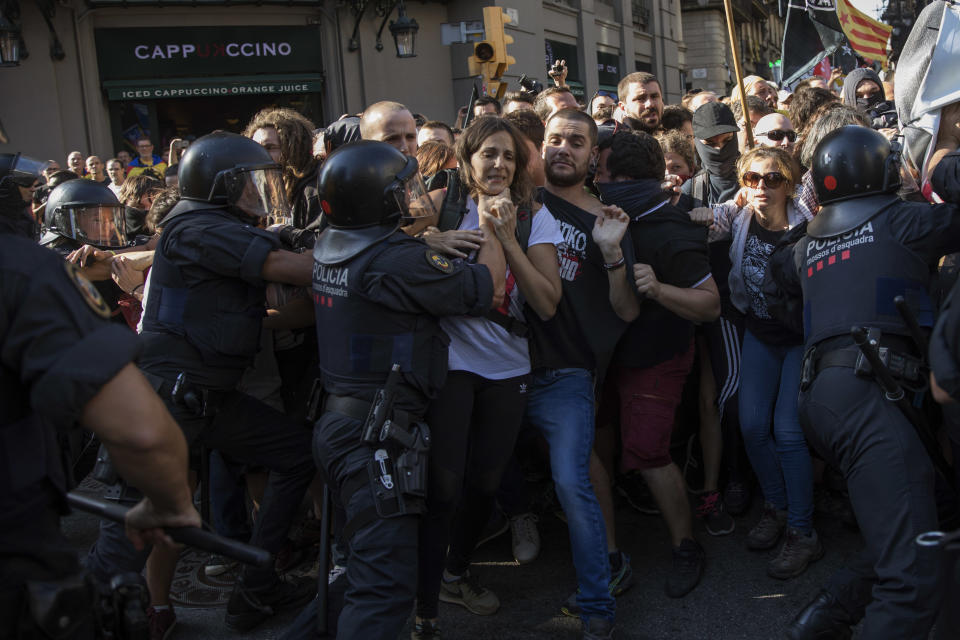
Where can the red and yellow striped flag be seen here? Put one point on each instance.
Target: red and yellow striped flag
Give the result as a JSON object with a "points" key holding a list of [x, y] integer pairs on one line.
{"points": [[867, 36]]}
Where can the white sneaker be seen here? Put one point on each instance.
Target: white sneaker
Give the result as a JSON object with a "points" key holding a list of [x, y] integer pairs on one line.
{"points": [[526, 538]]}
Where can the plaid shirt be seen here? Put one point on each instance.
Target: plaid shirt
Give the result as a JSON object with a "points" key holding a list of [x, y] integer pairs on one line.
{"points": [[806, 196]]}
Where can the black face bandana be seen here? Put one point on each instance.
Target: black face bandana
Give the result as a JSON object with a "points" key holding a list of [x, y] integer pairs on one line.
{"points": [[865, 104], [633, 196], [720, 162]]}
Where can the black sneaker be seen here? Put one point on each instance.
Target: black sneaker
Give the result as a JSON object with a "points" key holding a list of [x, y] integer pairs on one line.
{"points": [[250, 606], [425, 630], [715, 518], [597, 629], [736, 498], [688, 560], [634, 489]]}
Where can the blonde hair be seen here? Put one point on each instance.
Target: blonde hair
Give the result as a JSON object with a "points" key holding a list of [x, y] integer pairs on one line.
{"points": [[785, 164]]}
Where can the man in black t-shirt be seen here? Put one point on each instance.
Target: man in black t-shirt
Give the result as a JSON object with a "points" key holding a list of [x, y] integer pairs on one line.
{"points": [[673, 276], [575, 345]]}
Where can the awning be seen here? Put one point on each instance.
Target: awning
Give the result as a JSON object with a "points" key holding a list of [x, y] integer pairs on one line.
{"points": [[224, 86]]}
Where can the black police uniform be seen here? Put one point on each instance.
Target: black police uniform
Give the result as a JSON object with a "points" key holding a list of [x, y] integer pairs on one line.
{"points": [[851, 279], [202, 319], [373, 310], [56, 352]]}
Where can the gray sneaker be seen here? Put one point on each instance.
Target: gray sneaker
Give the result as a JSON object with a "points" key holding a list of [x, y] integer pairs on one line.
{"points": [[468, 592], [766, 533], [526, 538], [797, 552]]}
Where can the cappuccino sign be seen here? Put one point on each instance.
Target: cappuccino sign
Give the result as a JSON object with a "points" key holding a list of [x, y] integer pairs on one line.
{"points": [[130, 54]]}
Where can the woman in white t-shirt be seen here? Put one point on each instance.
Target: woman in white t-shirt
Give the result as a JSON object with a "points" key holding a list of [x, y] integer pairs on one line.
{"points": [[476, 417]]}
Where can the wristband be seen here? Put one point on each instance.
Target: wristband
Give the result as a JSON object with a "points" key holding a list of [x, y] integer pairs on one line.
{"points": [[134, 290], [610, 266]]}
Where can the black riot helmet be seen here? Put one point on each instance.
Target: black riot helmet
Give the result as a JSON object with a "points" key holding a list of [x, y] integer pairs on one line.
{"points": [[22, 170], [856, 173], [853, 162], [368, 183], [88, 212], [231, 170]]}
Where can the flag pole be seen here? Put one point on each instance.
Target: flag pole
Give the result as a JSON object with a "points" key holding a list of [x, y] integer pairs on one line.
{"points": [[732, 34]]}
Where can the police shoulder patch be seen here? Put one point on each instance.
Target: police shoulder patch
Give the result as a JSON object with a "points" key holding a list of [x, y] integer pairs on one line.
{"points": [[439, 262], [88, 292]]}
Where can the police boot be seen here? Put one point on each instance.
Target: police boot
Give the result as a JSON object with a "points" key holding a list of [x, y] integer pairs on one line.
{"points": [[823, 619], [258, 597]]}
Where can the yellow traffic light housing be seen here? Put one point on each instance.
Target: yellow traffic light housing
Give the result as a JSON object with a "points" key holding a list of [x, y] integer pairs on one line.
{"points": [[490, 58]]}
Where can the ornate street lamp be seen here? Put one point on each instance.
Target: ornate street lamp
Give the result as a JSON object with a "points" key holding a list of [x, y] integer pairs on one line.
{"points": [[9, 43], [404, 32]]}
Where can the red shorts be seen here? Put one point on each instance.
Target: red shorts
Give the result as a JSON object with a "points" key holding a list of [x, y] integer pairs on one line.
{"points": [[648, 402]]}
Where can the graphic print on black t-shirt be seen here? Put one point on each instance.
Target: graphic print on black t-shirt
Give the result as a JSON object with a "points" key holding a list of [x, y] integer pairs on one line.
{"points": [[573, 252], [756, 255]]}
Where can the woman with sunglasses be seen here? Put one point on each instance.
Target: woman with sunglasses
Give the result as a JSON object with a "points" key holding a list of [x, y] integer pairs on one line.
{"points": [[761, 213]]}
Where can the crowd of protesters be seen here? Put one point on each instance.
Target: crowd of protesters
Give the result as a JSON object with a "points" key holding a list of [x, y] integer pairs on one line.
{"points": [[673, 194]]}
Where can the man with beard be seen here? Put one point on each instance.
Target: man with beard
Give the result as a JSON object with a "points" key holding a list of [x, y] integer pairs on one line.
{"points": [[655, 355], [602, 107], [574, 347], [641, 99]]}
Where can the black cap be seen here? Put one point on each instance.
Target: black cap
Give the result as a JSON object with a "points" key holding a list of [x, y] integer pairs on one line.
{"points": [[712, 119]]}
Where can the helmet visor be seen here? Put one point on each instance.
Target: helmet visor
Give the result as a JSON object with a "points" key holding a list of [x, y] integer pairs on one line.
{"points": [[259, 192], [412, 199], [26, 170], [103, 225]]}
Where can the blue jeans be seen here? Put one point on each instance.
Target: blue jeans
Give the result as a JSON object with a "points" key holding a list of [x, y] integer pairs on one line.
{"points": [[560, 403], [769, 389]]}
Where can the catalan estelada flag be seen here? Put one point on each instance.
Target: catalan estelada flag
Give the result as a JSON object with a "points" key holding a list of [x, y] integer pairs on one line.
{"points": [[867, 36]]}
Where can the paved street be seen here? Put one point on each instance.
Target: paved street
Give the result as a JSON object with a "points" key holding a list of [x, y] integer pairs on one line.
{"points": [[736, 600]]}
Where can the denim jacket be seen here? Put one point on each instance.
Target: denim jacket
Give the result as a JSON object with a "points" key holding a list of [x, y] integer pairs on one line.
{"points": [[730, 220]]}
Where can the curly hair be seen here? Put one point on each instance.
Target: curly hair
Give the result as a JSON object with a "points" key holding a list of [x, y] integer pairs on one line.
{"points": [[674, 141], [296, 143], [135, 188], [805, 104], [471, 140], [785, 163], [162, 204], [635, 155]]}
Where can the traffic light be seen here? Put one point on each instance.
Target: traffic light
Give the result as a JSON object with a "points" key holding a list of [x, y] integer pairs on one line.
{"points": [[490, 57]]}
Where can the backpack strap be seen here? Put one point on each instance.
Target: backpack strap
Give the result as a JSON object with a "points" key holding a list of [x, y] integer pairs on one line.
{"points": [[454, 205], [701, 186]]}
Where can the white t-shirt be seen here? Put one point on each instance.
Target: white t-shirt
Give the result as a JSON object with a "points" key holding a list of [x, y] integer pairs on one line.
{"points": [[483, 347]]}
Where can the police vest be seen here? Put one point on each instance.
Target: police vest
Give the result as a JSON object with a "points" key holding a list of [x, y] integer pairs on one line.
{"points": [[851, 280], [360, 338], [219, 316]]}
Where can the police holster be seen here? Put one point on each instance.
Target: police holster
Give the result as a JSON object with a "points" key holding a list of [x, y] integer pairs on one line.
{"points": [[897, 364], [61, 608]]}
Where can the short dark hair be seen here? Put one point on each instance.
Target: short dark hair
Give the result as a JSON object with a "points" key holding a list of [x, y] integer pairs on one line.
{"points": [[754, 104], [517, 96], [529, 125], [577, 116], [437, 124], [482, 100], [674, 116], [541, 106], [637, 77], [419, 119], [805, 104], [635, 155]]}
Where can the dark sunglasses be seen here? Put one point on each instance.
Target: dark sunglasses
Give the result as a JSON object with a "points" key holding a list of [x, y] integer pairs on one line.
{"points": [[777, 135], [610, 94], [772, 180]]}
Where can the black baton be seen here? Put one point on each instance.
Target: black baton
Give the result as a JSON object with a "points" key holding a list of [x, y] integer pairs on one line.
{"points": [[192, 536], [323, 569], [910, 319], [894, 392]]}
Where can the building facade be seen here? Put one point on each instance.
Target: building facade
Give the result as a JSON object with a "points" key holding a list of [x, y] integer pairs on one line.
{"points": [[108, 71], [709, 60]]}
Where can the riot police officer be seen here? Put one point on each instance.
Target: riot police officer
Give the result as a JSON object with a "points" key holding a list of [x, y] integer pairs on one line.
{"points": [[863, 249], [82, 212], [201, 327], [20, 176], [62, 364], [378, 294]]}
